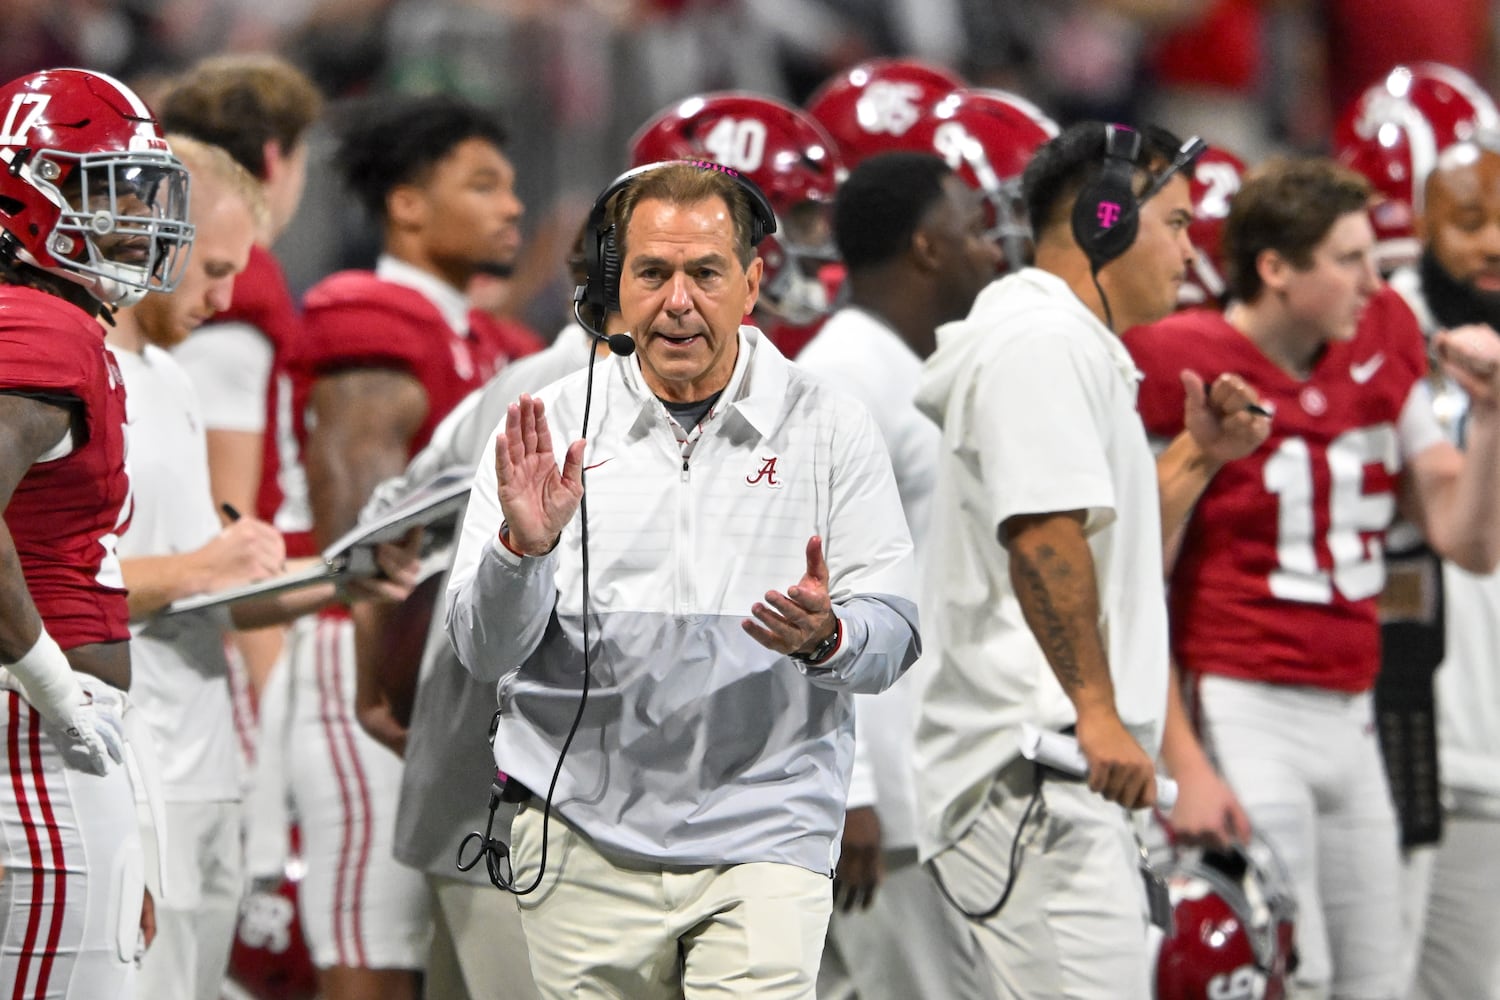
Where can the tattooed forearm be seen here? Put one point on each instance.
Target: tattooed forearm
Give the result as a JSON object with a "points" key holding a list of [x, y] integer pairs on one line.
{"points": [[1052, 571], [1036, 575]]}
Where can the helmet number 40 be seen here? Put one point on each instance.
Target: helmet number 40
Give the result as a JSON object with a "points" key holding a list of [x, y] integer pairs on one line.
{"points": [[737, 143]]}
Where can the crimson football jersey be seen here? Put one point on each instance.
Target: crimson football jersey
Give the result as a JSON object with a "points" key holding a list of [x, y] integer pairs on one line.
{"points": [[67, 513], [1282, 559], [261, 299], [355, 319]]}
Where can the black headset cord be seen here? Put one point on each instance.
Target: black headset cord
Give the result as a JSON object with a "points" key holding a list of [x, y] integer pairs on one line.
{"points": [[495, 853]]}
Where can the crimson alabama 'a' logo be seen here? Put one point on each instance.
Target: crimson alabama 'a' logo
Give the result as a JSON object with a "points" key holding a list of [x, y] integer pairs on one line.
{"points": [[765, 474]]}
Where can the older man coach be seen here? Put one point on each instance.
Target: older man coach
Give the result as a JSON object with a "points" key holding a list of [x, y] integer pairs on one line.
{"points": [[696, 819]]}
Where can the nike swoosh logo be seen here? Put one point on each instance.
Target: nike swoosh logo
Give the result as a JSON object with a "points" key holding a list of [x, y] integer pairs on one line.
{"points": [[1365, 370]]}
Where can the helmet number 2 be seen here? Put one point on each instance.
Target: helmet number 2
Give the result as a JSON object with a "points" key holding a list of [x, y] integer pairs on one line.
{"points": [[1220, 182], [19, 123], [737, 143]]}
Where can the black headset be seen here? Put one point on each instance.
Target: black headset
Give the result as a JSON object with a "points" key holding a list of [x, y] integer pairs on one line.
{"points": [[601, 250], [1107, 213]]}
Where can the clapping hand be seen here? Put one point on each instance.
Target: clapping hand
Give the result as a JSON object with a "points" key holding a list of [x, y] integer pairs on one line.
{"points": [[536, 498]]}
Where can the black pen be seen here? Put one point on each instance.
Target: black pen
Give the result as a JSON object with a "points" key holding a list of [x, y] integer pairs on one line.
{"points": [[230, 512], [1255, 408]]}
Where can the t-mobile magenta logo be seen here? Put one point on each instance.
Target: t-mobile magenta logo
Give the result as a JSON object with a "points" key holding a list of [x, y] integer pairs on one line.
{"points": [[1109, 213]]}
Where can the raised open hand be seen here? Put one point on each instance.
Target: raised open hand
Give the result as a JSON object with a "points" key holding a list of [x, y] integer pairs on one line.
{"points": [[537, 498]]}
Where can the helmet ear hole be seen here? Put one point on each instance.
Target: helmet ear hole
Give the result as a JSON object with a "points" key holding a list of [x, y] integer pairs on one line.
{"points": [[1233, 864]]}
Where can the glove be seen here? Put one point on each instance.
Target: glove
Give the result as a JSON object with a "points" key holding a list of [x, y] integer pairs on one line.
{"points": [[87, 724], [92, 732]]}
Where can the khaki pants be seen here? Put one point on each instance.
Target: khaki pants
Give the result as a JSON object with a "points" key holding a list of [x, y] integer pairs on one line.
{"points": [[600, 929]]}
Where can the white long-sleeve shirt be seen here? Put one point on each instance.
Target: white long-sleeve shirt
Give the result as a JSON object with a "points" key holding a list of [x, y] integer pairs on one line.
{"points": [[699, 745], [859, 354]]}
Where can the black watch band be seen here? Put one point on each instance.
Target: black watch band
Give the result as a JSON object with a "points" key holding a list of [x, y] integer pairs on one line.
{"points": [[824, 649]]}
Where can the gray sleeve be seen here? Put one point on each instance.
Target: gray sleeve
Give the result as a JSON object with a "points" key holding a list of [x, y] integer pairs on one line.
{"points": [[879, 642], [870, 563], [498, 613]]}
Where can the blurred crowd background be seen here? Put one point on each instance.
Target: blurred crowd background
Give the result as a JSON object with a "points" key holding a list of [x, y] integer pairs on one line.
{"points": [[574, 78]]}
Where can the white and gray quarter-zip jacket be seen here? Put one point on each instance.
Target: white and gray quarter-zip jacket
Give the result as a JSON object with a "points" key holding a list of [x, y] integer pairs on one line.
{"points": [[699, 746]]}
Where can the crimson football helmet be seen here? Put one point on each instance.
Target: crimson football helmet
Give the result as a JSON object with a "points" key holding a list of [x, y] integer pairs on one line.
{"points": [[988, 137], [1393, 134], [1234, 918], [789, 157], [89, 189], [870, 108], [270, 959], [1214, 180]]}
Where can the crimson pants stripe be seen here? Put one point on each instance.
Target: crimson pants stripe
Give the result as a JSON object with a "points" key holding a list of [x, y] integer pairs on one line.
{"points": [[54, 835], [242, 704], [33, 843], [327, 709], [367, 827]]}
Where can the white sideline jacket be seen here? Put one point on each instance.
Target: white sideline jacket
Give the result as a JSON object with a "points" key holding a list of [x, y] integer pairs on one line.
{"points": [[699, 746]]}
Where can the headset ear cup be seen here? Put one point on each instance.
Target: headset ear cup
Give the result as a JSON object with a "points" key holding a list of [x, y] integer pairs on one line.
{"points": [[1105, 216], [609, 271]]}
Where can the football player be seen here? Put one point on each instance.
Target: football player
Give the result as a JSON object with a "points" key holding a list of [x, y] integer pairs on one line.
{"points": [[1393, 134], [386, 355], [1457, 281], [93, 215], [1273, 592]]}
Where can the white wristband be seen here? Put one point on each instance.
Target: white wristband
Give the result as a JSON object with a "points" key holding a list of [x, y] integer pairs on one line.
{"points": [[47, 676]]}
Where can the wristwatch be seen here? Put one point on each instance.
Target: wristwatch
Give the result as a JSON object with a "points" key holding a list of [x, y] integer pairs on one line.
{"points": [[824, 649]]}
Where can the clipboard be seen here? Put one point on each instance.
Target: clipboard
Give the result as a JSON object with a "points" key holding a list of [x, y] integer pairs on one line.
{"points": [[435, 506]]}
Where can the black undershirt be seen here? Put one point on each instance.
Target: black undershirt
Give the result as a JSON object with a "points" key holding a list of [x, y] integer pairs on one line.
{"points": [[688, 415]]}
